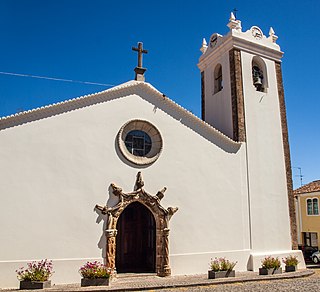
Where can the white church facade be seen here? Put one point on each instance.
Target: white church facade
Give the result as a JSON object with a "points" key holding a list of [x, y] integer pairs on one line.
{"points": [[128, 177]]}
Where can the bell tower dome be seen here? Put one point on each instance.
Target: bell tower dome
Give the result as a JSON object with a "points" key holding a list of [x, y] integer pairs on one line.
{"points": [[242, 96]]}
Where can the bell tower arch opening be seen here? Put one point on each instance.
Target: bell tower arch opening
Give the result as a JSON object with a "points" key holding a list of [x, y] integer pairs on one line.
{"points": [[136, 240], [259, 74]]}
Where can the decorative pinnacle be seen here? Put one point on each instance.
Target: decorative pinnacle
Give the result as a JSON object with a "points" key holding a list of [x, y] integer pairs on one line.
{"points": [[271, 32], [233, 23], [204, 46], [272, 35]]}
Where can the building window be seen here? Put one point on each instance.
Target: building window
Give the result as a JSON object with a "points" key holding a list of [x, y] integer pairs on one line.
{"points": [[138, 142], [309, 207], [218, 82], [313, 206]]}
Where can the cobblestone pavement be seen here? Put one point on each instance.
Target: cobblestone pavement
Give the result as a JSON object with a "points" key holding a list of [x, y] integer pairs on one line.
{"points": [[306, 284], [302, 280]]}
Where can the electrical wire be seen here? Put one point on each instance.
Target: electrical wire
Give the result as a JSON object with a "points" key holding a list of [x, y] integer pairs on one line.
{"points": [[54, 79]]}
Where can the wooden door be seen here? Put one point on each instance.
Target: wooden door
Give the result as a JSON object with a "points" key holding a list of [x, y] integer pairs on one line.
{"points": [[136, 240]]}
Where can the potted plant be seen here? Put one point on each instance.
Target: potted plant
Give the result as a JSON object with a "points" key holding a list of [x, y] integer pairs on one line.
{"points": [[36, 275], [291, 263], [95, 274], [221, 268], [270, 266]]}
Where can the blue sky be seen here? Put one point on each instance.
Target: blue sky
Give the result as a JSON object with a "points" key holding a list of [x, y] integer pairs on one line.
{"points": [[92, 40]]}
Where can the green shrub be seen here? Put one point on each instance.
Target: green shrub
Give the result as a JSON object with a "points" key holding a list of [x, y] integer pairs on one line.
{"points": [[290, 261], [221, 264], [271, 263]]}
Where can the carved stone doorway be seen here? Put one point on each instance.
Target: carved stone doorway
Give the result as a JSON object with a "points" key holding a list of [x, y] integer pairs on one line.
{"points": [[136, 240], [159, 248]]}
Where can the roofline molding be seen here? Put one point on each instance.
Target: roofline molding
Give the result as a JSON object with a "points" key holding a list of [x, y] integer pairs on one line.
{"points": [[128, 88]]}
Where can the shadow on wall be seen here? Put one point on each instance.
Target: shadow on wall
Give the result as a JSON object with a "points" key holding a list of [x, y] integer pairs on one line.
{"points": [[193, 123], [250, 263], [112, 200]]}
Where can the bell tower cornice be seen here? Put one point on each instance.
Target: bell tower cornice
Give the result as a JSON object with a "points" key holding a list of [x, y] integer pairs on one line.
{"points": [[252, 41]]}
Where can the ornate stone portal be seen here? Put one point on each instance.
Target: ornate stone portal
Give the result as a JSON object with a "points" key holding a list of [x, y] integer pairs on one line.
{"points": [[161, 215]]}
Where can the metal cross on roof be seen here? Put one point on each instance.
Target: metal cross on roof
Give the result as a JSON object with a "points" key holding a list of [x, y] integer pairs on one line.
{"points": [[140, 51], [235, 10]]}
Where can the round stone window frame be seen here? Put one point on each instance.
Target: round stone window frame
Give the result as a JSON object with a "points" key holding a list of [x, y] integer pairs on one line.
{"points": [[154, 134]]}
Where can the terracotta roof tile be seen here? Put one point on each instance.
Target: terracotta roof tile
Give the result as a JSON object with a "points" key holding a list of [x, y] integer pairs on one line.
{"points": [[308, 188]]}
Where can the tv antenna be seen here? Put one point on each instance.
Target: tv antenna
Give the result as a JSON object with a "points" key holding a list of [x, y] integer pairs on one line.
{"points": [[300, 175]]}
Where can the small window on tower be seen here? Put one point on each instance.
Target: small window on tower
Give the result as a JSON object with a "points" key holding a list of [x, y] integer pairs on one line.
{"points": [[218, 82]]}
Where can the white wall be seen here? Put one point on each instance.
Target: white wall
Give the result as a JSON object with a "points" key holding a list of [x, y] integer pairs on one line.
{"points": [[218, 106], [266, 165], [55, 170]]}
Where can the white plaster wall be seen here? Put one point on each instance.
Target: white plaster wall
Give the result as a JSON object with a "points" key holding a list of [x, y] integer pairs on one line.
{"points": [[218, 106], [266, 165], [55, 170], [257, 257]]}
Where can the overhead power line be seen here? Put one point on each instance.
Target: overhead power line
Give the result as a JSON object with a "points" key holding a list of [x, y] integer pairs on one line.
{"points": [[54, 79]]}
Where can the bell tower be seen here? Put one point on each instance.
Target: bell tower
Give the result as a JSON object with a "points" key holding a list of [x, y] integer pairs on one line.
{"points": [[242, 96], [234, 65]]}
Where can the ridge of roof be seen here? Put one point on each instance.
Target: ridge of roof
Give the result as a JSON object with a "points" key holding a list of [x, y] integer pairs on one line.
{"points": [[117, 87], [73, 103], [311, 187]]}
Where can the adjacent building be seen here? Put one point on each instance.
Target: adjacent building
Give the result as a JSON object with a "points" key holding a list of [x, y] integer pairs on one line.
{"points": [[307, 200]]}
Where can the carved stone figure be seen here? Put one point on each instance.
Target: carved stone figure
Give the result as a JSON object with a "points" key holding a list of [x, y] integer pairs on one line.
{"points": [[117, 191], [166, 271], [110, 221], [139, 181], [111, 248], [169, 213]]}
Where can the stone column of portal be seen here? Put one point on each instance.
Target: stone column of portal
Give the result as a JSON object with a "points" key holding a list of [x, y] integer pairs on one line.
{"points": [[111, 248], [165, 268]]}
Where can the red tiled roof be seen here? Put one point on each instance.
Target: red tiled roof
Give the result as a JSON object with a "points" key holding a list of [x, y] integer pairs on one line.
{"points": [[308, 188]]}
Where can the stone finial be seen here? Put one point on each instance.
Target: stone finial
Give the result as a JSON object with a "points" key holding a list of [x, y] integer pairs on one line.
{"points": [[139, 181], [271, 31], [204, 46], [272, 35], [160, 194], [233, 23]]}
